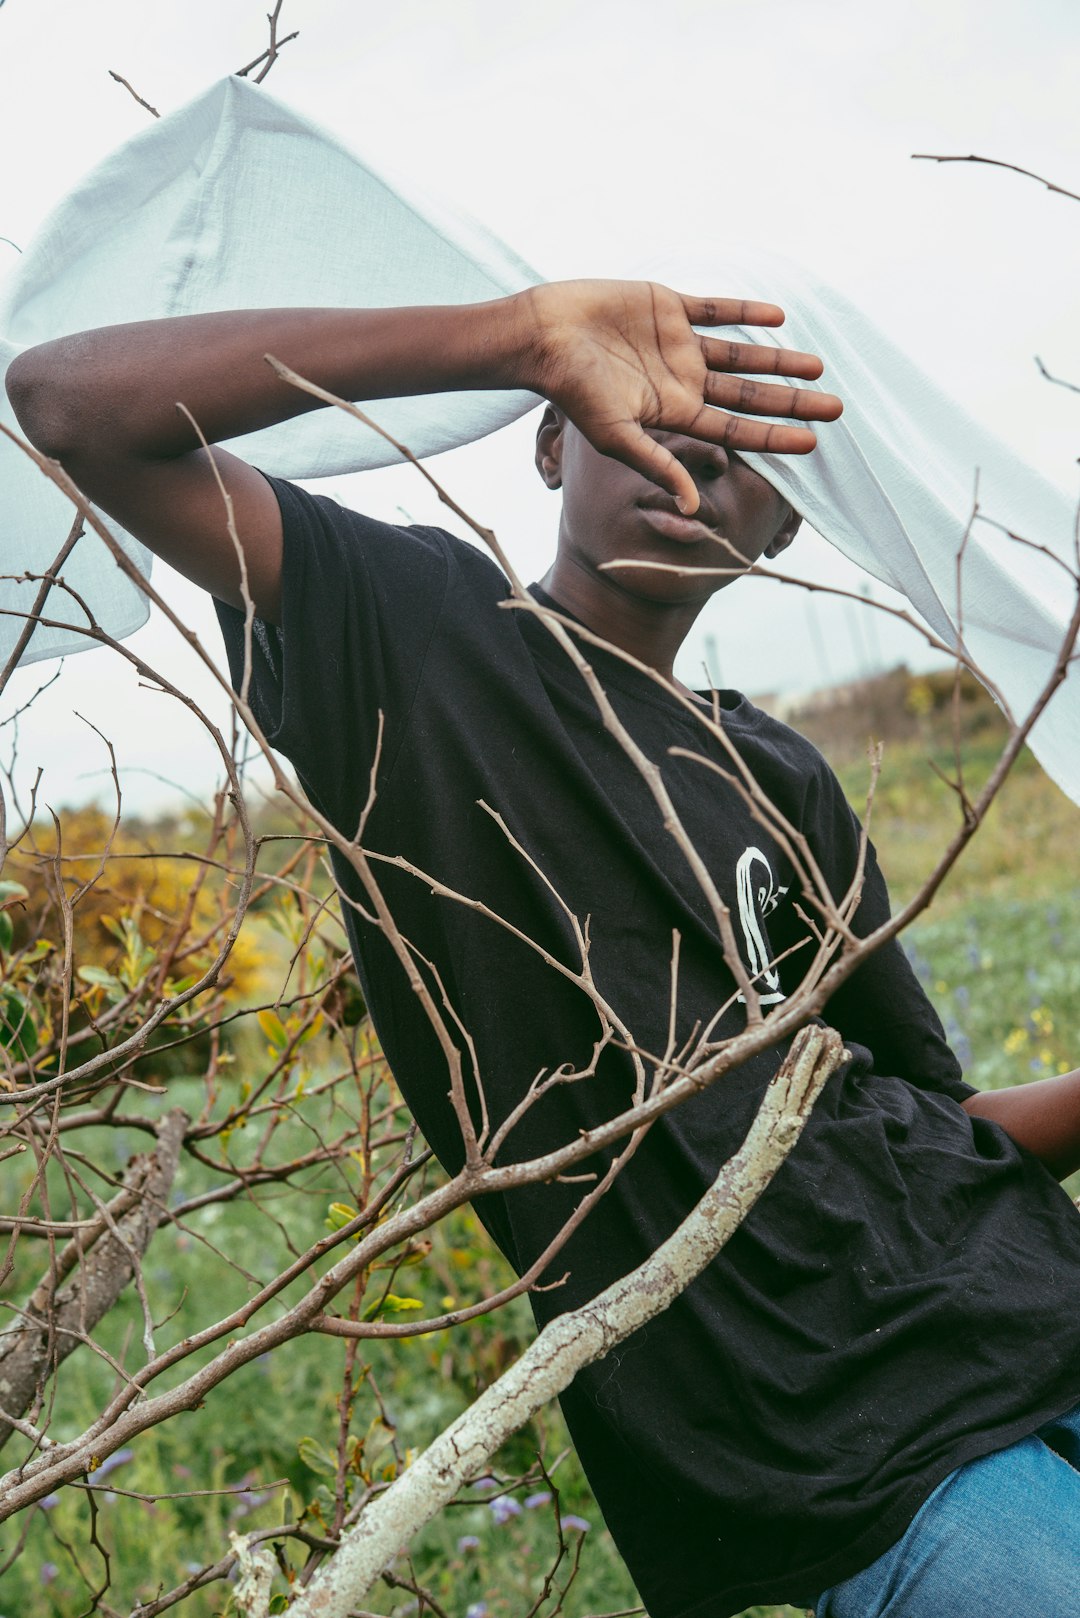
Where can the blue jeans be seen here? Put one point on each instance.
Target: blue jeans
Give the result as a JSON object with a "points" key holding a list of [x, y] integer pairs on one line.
{"points": [[999, 1538]]}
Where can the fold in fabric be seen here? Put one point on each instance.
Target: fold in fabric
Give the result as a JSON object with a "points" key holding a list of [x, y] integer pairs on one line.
{"points": [[236, 201]]}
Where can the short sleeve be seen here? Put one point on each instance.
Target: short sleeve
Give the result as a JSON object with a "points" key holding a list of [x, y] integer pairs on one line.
{"points": [[882, 1005], [360, 603]]}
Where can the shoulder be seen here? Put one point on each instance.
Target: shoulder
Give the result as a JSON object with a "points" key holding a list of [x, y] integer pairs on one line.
{"points": [[786, 763], [321, 531]]}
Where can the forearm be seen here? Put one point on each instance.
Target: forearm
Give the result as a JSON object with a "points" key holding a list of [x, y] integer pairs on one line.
{"points": [[1043, 1116], [112, 393]]}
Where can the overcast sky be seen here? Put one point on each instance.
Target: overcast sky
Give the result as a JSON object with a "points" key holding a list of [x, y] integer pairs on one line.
{"points": [[589, 136]]}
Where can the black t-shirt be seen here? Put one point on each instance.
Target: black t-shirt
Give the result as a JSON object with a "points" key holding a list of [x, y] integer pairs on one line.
{"points": [[905, 1295]]}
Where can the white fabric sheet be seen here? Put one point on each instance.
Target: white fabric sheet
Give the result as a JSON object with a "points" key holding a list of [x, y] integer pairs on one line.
{"points": [[233, 202], [237, 201]]}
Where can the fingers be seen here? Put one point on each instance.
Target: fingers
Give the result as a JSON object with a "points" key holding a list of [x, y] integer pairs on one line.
{"points": [[635, 448], [736, 432], [770, 399], [732, 312], [760, 360]]}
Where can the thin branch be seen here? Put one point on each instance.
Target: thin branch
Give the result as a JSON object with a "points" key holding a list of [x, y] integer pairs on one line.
{"points": [[996, 162], [1059, 381], [120, 80], [270, 55], [104, 1267], [48, 580]]}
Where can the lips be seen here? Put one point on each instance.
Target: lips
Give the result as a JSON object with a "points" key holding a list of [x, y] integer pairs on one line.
{"points": [[664, 517]]}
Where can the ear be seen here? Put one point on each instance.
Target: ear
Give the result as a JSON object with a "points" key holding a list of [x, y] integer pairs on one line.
{"points": [[785, 534], [549, 443]]}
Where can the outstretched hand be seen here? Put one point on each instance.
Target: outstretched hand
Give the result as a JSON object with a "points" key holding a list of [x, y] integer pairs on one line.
{"points": [[619, 357]]}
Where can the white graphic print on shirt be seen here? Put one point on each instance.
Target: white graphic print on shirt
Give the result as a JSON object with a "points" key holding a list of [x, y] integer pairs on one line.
{"points": [[759, 894]]}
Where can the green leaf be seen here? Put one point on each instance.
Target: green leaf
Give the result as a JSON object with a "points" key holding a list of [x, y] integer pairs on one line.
{"points": [[10, 892], [274, 1029], [311, 1030], [7, 931], [313, 1455], [98, 976], [17, 1031], [119, 929], [392, 1305], [339, 1214]]}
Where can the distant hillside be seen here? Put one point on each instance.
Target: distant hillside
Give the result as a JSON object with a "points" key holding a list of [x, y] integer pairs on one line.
{"points": [[893, 707]]}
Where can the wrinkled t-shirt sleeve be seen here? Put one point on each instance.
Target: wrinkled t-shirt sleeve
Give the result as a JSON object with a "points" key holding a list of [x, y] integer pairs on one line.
{"points": [[360, 601], [882, 1005]]}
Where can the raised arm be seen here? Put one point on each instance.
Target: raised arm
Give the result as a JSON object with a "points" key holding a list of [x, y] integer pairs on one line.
{"points": [[617, 357]]}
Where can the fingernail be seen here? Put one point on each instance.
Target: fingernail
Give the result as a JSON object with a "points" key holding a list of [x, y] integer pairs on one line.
{"points": [[683, 505]]}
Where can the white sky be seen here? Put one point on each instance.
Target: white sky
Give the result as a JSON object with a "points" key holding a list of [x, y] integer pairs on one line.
{"points": [[587, 135]]}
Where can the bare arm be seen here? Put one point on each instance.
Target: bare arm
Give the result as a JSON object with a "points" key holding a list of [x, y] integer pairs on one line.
{"points": [[1043, 1116], [104, 403], [618, 357]]}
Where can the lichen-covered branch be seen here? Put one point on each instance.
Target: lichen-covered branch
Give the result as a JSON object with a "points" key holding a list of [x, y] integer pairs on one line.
{"points": [[578, 1337], [100, 1260]]}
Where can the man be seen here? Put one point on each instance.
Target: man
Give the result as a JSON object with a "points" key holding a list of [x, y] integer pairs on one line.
{"points": [[863, 1343]]}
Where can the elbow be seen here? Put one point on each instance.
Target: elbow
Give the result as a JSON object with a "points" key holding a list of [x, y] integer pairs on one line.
{"points": [[37, 400]]}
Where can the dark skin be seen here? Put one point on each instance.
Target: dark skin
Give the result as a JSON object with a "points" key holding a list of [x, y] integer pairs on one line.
{"points": [[647, 421], [618, 357], [610, 514]]}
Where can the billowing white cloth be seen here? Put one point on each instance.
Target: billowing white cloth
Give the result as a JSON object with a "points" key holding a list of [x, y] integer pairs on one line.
{"points": [[893, 484], [236, 201], [233, 202]]}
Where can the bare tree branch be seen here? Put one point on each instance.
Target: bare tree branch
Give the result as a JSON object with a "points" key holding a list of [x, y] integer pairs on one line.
{"points": [[120, 80], [104, 1262], [997, 163], [577, 1338], [270, 55]]}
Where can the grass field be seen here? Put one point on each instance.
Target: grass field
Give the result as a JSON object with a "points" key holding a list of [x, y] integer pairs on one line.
{"points": [[995, 953]]}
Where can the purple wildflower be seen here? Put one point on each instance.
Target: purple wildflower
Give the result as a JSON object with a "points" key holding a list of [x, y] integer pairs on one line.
{"points": [[111, 1462], [478, 1609], [247, 1500], [541, 1498], [576, 1522], [49, 1570], [487, 1483], [468, 1542], [505, 1507]]}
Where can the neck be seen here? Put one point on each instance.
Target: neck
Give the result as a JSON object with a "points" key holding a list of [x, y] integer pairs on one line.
{"points": [[651, 631]]}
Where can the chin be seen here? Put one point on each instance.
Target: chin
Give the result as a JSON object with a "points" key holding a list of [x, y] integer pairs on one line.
{"points": [[666, 589]]}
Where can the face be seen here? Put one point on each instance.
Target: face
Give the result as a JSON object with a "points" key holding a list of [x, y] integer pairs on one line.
{"points": [[612, 513]]}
